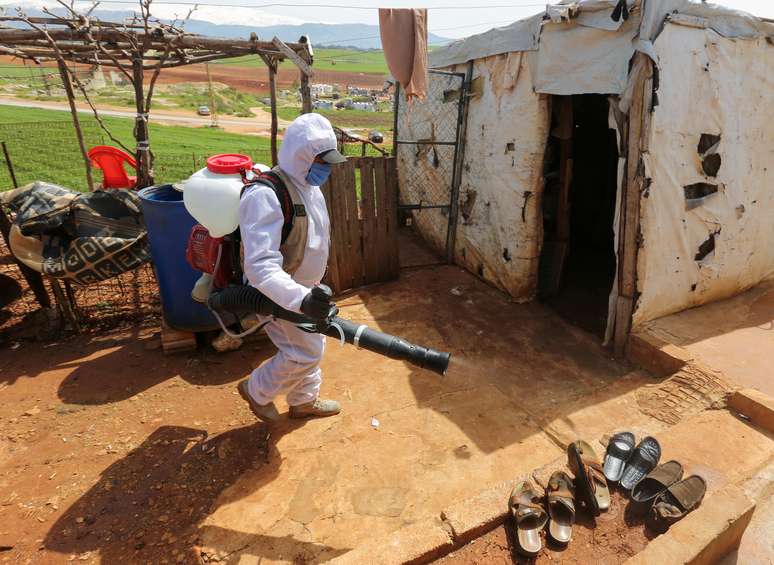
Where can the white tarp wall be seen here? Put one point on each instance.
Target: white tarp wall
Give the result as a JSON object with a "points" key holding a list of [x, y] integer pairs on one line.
{"points": [[708, 84], [500, 229], [499, 232]]}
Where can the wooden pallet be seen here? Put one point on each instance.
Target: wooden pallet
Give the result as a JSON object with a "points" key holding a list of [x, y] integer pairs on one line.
{"points": [[176, 341]]}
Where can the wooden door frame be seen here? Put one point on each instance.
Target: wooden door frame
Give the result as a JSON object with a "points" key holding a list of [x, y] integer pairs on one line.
{"points": [[636, 139]]}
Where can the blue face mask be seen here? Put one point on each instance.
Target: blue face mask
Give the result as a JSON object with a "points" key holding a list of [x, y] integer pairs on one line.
{"points": [[318, 174]]}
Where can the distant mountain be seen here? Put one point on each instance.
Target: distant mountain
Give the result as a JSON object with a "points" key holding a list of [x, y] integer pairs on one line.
{"points": [[358, 36]]}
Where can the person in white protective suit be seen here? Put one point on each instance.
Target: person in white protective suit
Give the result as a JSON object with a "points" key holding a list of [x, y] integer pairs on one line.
{"points": [[286, 272]]}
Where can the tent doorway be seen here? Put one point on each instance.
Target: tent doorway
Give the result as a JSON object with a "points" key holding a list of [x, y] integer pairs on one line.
{"points": [[577, 262]]}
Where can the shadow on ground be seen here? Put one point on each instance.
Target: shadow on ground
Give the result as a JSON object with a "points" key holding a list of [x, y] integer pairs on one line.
{"points": [[102, 371], [147, 506]]}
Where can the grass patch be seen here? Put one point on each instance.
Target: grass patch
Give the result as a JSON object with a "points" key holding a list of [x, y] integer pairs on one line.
{"points": [[43, 146]]}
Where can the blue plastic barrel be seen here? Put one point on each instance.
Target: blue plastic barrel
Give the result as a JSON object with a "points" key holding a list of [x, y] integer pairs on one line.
{"points": [[168, 224]]}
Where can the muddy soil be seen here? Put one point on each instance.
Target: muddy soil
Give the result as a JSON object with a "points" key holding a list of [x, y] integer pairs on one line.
{"points": [[613, 538]]}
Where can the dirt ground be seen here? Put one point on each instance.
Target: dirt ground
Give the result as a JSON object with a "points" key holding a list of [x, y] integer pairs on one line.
{"points": [[111, 451], [612, 538]]}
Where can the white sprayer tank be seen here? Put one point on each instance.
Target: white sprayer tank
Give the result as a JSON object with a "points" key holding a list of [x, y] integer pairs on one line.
{"points": [[211, 195]]}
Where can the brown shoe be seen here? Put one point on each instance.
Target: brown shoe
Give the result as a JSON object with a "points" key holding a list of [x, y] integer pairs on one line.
{"points": [[315, 409], [264, 412]]}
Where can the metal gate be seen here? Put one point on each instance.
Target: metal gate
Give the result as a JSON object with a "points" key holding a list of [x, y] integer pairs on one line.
{"points": [[429, 142]]}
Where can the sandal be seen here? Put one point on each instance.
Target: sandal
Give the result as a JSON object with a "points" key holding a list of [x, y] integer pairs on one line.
{"points": [[589, 477], [675, 502], [643, 461], [529, 518], [561, 506], [619, 450], [657, 481]]}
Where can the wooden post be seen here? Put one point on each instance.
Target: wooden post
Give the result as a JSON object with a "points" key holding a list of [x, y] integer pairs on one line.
{"points": [[272, 64], [306, 94], [68, 86], [306, 91], [9, 164], [142, 152], [213, 108], [64, 305]]}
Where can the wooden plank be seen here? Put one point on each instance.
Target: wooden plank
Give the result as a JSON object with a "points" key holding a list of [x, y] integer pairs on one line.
{"points": [[338, 186], [367, 199], [639, 114], [293, 56], [354, 229], [380, 240], [332, 275], [391, 217], [176, 341]]}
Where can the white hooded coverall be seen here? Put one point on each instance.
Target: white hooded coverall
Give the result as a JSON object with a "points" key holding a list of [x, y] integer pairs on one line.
{"points": [[294, 370]]}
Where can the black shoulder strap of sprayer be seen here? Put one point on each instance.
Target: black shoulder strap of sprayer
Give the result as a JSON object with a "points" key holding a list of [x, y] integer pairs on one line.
{"points": [[275, 182]]}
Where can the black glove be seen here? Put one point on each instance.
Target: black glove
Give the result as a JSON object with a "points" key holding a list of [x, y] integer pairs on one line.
{"points": [[317, 304]]}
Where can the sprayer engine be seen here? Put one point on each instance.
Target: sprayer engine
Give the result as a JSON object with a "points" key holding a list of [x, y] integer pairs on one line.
{"points": [[212, 256]]}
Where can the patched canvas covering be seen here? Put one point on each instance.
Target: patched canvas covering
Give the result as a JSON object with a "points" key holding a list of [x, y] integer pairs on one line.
{"points": [[82, 237], [706, 213]]}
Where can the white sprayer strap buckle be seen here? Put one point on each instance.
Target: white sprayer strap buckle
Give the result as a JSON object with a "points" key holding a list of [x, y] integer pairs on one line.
{"points": [[358, 333]]}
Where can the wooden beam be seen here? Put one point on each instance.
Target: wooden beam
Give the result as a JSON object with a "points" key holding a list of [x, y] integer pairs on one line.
{"points": [[68, 86], [303, 66], [272, 65], [629, 223]]}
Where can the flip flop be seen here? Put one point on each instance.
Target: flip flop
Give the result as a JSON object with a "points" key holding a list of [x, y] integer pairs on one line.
{"points": [[589, 477], [619, 450], [675, 502], [643, 461], [561, 506], [657, 481], [529, 518]]}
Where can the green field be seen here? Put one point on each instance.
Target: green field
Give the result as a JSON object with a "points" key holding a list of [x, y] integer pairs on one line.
{"points": [[346, 119], [42, 146], [343, 60]]}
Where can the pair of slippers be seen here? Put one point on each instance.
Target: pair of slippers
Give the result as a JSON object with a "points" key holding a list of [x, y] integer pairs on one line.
{"points": [[627, 464], [668, 496], [659, 487], [530, 517]]}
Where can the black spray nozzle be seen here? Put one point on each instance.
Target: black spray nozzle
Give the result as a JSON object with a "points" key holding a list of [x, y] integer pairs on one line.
{"points": [[241, 300], [388, 345]]}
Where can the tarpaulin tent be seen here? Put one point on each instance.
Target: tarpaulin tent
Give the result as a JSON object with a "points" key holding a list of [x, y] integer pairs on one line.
{"points": [[645, 125]]}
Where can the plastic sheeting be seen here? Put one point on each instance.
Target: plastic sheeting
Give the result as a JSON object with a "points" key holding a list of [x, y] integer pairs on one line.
{"points": [[500, 229], [576, 59], [529, 34], [723, 87], [522, 35]]}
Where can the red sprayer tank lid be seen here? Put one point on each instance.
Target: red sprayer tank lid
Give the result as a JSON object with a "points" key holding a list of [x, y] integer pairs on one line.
{"points": [[229, 163]]}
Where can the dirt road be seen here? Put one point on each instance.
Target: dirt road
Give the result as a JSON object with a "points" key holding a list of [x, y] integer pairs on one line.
{"points": [[259, 125]]}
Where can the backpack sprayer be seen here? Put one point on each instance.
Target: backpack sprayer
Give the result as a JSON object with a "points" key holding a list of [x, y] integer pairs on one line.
{"points": [[212, 197]]}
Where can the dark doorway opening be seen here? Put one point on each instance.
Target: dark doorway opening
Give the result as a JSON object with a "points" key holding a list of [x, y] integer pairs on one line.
{"points": [[577, 262]]}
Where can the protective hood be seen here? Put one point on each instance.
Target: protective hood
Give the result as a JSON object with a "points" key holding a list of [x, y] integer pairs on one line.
{"points": [[305, 138]]}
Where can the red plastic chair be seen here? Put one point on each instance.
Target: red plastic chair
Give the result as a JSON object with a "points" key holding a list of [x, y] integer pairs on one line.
{"points": [[111, 161]]}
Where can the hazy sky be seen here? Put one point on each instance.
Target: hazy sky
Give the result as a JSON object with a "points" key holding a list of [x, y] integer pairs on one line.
{"points": [[466, 18]]}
